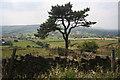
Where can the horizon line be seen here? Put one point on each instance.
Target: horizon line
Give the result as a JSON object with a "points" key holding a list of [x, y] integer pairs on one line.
{"points": [[39, 24]]}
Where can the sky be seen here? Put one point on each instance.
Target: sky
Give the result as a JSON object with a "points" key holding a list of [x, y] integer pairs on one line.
{"points": [[28, 12]]}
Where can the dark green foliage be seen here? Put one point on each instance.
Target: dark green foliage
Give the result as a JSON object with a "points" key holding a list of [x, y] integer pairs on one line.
{"points": [[15, 40], [45, 28], [3, 40], [10, 43], [44, 45], [39, 43], [28, 46], [89, 46], [59, 16], [118, 40]]}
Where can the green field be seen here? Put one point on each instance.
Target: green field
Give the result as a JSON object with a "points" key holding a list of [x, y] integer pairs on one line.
{"points": [[23, 51], [23, 44], [7, 51]]}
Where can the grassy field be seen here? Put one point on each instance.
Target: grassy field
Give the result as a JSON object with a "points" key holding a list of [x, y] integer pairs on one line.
{"points": [[23, 51], [7, 51], [24, 44], [60, 42]]}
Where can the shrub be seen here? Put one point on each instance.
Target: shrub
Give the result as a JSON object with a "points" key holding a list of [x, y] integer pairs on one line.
{"points": [[28, 46], [61, 51], [44, 45], [88, 46], [10, 43], [39, 43], [15, 40], [118, 40]]}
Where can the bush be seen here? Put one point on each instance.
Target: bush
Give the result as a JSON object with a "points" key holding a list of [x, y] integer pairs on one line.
{"points": [[15, 40], [28, 46], [10, 43], [118, 40], [61, 51], [44, 45], [88, 46], [39, 43]]}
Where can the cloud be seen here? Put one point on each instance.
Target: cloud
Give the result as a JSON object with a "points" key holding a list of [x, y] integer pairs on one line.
{"points": [[105, 14], [15, 1], [21, 6], [33, 12]]}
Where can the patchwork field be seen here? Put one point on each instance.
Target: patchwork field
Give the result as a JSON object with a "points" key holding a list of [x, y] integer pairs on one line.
{"points": [[53, 43]]}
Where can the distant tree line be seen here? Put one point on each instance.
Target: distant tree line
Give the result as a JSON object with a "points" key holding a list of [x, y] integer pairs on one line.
{"points": [[7, 43]]}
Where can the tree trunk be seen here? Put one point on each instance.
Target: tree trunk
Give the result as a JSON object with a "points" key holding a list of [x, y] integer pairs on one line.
{"points": [[66, 46]]}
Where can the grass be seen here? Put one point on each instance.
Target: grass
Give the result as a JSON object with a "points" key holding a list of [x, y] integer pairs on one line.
{"points": [[55, 39], [23, 51], [61, 43], [56, 44], [71, 72], [24, 44], [53, 43]]}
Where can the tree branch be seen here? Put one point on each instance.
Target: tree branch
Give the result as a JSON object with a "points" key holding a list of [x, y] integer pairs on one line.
{"points": [[63, 36], [63, 23], [76, 22], [68, 24], [60, 31], [71, 29]]}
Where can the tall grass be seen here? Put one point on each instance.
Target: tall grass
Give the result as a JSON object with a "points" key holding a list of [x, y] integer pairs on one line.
{"points": [[72, 72]]}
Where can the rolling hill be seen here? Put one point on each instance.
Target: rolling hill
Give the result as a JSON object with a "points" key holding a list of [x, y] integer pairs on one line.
{"points": [[77, 32]]}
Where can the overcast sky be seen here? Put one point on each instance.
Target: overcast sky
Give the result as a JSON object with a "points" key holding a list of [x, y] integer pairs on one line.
{"points": [[27, 12]]}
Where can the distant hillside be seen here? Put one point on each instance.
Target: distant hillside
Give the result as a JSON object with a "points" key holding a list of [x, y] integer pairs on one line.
{"points": [[77, 32], [20, 29], [92, 32]]}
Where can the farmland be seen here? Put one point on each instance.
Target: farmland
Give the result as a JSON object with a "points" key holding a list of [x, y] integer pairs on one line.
{"points": [[33, 52], [53, 44]]}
